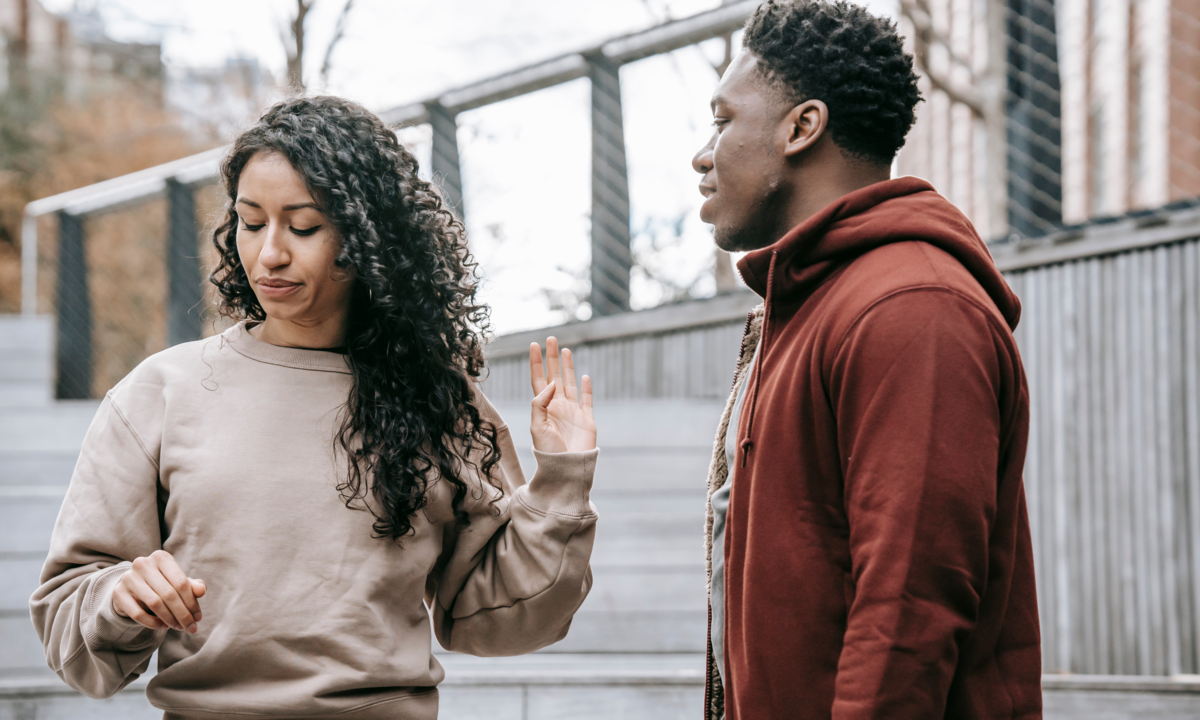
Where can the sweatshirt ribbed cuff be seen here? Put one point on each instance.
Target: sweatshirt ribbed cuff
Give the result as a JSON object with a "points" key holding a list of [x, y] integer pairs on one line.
{"points": [[102, 626], [563, 482]]}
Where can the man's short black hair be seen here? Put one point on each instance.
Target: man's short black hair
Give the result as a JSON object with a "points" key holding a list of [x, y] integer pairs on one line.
{"points": [[842, 55]]}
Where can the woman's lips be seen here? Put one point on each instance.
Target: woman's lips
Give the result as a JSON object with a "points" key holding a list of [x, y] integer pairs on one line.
{"points": [[277, 288]]}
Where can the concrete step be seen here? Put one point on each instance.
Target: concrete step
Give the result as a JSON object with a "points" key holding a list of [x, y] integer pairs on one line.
{"points": [[620, 685], [58, 428], [26, 360], [23, 393], [21, 653], [52, 699], [27, 520], [36, 469], [20, 572], [27, 332], [542, 687], [647, 630]]}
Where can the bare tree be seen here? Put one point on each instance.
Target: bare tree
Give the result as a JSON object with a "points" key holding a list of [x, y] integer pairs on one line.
{"points": [[983, 93], [339, 31], [294, 43]]}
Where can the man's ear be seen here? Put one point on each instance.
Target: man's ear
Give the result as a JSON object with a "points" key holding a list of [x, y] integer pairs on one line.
{"points": [[804, 124]]}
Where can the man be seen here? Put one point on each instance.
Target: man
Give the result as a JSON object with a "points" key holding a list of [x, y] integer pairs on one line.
{"points": [[869, 541]]}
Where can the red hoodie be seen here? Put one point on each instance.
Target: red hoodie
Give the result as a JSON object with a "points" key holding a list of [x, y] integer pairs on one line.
{"points": [[878, 557]]}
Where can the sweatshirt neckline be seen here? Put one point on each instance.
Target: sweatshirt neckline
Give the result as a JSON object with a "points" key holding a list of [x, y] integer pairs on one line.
{"points": [[247, 345]]}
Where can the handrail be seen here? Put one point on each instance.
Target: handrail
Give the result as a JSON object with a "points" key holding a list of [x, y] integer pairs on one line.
{"points": [[203, 168], [731, 307]]}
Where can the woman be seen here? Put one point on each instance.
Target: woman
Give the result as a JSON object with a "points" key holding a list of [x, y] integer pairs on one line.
{"points": [[274, 508]]}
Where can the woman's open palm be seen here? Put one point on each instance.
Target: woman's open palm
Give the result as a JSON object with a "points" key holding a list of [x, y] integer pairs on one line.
{"points": [[562, 413]]}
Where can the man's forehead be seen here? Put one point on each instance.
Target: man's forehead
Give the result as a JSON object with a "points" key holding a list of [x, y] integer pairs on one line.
{"points": [[739, 80]]}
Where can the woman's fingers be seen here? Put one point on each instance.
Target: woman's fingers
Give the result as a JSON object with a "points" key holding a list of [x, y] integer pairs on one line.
{"points": [[553, 365], [168, 606], [586, 395], [156, 583], [125, 604], [148, 600], [537, 373], [182, 585], [568, 370]]}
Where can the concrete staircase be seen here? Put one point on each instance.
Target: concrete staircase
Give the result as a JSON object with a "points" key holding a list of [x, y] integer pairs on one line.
{"points": [[635, 650]]}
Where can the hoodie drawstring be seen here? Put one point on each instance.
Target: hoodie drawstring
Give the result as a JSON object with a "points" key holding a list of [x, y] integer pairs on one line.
{"points": [[748, 443]]}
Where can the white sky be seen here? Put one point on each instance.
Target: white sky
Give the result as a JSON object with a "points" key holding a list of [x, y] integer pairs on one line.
{"points": [[525, 162]]}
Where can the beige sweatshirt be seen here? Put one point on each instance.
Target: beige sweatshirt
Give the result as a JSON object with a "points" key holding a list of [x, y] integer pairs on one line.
{"points": [[221, 452]]}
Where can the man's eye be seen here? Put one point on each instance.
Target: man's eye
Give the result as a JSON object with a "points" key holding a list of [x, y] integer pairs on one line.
{"points": [[719, 123], [306, 231], [252, 228]]}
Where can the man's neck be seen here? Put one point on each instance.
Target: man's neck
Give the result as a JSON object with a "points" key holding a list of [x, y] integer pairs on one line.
{"points": [[810, 198]]}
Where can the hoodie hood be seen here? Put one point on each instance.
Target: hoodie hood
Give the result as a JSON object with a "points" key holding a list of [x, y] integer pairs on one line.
{"points": [[899, 210]]}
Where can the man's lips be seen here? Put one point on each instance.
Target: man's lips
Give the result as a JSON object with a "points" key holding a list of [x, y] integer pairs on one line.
{"points": [[707, 190]]}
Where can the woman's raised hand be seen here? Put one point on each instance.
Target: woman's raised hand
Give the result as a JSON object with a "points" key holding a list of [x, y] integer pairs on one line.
{"points": [[157, 594], [562, 413]]}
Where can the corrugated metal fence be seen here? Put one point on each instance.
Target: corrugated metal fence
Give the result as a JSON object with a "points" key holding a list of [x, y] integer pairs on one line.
{"points": [[1113, 472], [1110, 338]]}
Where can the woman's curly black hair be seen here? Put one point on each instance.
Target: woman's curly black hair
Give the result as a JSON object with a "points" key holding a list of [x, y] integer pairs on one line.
{"points": [[414, 339], [842, 55]]}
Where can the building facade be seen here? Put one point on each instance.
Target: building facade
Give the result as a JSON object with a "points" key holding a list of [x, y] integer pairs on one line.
{"points": [[1120, 132]]}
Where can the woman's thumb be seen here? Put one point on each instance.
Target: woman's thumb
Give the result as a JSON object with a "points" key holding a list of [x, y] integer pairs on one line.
{"points": [[198, 587]]}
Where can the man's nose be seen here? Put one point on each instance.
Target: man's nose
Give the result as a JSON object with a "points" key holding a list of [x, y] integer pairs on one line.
{"points": [[702, 162]]}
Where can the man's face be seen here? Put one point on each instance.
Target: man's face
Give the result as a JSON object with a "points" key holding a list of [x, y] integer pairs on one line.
{"points": [[743, 163]]}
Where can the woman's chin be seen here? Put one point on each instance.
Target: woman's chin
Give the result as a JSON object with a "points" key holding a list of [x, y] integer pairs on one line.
{"points": [[281, 312]]}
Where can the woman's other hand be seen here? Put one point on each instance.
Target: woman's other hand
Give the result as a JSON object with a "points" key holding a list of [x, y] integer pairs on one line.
{"points": [[157, 594], [562, 413]]}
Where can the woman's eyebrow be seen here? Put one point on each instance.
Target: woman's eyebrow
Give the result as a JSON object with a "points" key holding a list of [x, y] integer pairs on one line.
{"points": [[286, 208]]}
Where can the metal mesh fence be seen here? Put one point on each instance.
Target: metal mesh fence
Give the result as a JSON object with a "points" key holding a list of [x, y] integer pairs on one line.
{"points": [[126, 284]]}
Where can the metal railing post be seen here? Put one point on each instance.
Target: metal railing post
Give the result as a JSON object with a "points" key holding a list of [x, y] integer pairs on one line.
{"points": [[612, 258], [1034, 118], [74, 311], [184, 295], [29, 241], [444, 164]]}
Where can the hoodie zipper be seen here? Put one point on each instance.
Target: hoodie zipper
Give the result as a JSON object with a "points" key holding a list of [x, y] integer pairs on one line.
{"points": [[709, 659]]}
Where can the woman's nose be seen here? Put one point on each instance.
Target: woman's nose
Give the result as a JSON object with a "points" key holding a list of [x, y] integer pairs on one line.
{"points": [[274, 251]]}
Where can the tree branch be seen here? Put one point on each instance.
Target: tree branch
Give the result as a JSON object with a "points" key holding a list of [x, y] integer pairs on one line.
{"points": [[962, 96], [923, 37], [295, 54], [339, 32], [917, 11]]}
